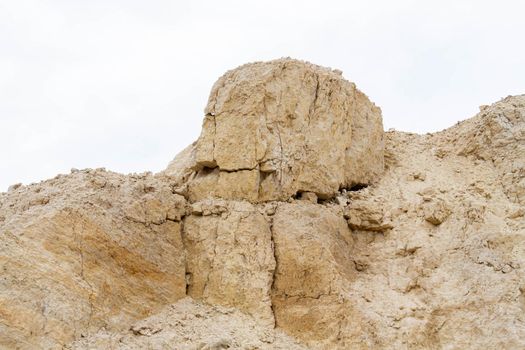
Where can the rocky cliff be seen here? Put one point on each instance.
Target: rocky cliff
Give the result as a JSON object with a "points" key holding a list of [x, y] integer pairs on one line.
{"points": [[293, 222]]}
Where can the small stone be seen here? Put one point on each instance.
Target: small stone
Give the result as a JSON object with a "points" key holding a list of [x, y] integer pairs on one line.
{"points": [[419, 176], [14, 187], [341, 200], [309, 197], [517, 213], [436, 212], [270, 210], [367, 216], [506, 268], [196, 209]]}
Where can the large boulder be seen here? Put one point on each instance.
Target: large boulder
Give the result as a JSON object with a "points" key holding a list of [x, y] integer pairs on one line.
{"points": [[275, 129]]}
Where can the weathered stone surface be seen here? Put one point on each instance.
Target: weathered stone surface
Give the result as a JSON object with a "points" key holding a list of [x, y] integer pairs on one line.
{"points": [[183, 166], [313, 251], [190, 325], [367, 215], [429, 256], [309, 197], [452, 285], [230, 258], [497, 134], [436, 211], [84, 251], [273, 129]]}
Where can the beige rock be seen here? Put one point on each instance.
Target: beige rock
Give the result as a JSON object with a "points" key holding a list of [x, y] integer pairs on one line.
{"points": [[274, 129], [14, 187], [497, 134], [87, 256], [447, 286], [367, 215], [436, 211], [309, 197], [313, 251], [183, 165], [93, 257], [189, 325], [230, 259]]}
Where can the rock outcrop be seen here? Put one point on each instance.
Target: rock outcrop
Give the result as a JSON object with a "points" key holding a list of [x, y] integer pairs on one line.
{"points": [[86, 251], [275, 129], [293, 222], [497, 134], [229, 259]]}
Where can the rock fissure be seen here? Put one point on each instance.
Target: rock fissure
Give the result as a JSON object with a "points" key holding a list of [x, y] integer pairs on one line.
{"points": [[281, 156], [311, 110], [271, 290], [212, 263], [239, 169], [79, 233]]}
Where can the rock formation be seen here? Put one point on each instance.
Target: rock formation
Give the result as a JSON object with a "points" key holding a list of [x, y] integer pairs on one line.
{"points": [[276, 129], [89, 250], [292, 222]]}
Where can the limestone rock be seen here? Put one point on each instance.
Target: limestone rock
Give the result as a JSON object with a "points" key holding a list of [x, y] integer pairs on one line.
{"points": [[14, 187], [313, 253], [274, 129], [89, 250], [266, 221], [189, 325], [367, 216], [497, 134], [230, 259], [183, 165], [309, 197], [436, 211], [423, 286]]}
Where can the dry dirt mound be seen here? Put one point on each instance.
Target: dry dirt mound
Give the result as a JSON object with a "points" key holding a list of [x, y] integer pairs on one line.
{"points": [[293, 213]]}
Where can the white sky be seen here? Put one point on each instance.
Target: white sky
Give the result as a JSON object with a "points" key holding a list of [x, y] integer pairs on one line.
{"points": [[122, 84]]}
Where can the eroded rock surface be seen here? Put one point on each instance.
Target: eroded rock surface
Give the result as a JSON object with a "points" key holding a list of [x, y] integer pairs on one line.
{"points": [[189, 325], [496, 134], [313, 248], [275, 129], [84, 251], [283, 217], [229, 259]]}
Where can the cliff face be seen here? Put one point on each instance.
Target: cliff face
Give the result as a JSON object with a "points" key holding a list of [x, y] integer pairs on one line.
{"points": [[293, 222]]}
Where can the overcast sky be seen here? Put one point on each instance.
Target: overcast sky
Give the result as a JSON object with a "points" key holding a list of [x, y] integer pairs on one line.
{"points": [[122, 84]]}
